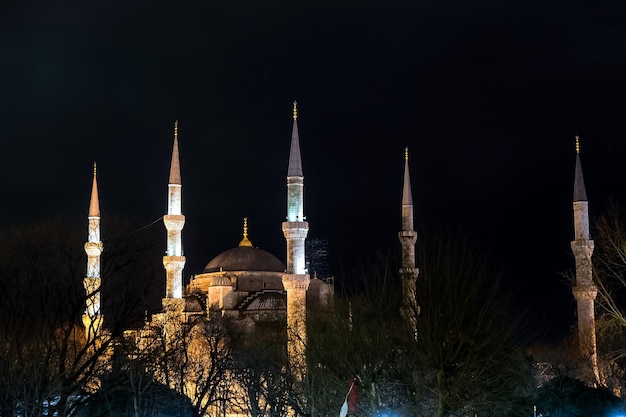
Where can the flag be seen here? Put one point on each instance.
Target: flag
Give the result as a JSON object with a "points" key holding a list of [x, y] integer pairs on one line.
{"points": [[352, 395], [344, 408]]}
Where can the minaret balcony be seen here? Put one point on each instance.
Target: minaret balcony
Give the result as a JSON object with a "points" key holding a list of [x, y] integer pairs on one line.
{"points": [[296, 282], [174, 262], [585, 292], [295, 230], [409, 271], [174, 221], [582, 248], [93, 249], [407, 237]]}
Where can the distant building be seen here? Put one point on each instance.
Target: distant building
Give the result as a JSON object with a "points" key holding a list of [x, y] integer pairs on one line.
{"points": [[317, 257]]}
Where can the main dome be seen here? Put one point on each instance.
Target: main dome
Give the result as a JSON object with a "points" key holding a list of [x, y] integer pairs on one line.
{"points": [[245, 258]]}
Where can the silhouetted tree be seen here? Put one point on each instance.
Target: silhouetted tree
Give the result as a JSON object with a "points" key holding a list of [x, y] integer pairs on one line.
{"points": [[46, 360], [610, 277], [468, 359], [130, 387], [564, 396], [261, 368], [365, 336]]}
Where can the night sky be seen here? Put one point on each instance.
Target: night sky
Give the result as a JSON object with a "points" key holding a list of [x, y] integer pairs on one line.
{"points": [[487, 95]]}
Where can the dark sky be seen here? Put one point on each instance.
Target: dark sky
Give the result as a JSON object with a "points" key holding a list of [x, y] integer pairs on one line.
{"points": [[488, 95]]}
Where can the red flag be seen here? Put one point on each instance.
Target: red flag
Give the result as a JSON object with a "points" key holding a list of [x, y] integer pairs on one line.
{"points": [[352, 395], [349, 404]]}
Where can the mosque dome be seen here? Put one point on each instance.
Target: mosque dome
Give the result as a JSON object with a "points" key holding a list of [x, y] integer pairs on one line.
{"points": [[245, 258]]}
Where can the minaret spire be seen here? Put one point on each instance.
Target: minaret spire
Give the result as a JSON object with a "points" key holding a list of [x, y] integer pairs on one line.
{"points": [[175, 164], [92, 319], [585, 290], [407, 196], [296, 280], [580, 193], [295, 161], [174, 220], [94, 204], [408, 237]]}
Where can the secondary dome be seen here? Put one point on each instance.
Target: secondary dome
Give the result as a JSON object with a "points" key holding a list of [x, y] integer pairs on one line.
{"points": [[245, 258], [221, 281]]}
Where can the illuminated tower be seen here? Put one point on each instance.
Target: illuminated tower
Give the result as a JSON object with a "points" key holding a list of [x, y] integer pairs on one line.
{"points": [[92, 319], [296, 280], [585, 290], [408, 237], [174, 220]]}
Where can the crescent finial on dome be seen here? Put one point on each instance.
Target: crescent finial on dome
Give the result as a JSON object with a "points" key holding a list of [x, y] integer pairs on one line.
{"points": [[245, 241]]}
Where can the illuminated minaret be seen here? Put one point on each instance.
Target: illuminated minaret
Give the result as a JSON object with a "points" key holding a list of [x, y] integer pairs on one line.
{"points": [[92, 319], [174, 220], [408, 237], [296, 280], [585, 290]]}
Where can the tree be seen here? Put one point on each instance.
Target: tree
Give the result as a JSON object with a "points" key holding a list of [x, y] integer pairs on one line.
{"points": [[610, 278], [365, 336], [130, 387], [468, 359], [261, 369], [565, 396], [45, 358], [191, 355]]}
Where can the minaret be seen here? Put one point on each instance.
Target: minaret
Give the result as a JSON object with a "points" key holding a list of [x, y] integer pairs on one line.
{"points": [[296, 280], [174, 220], [92, 319], [408, 237], [585, 290]]}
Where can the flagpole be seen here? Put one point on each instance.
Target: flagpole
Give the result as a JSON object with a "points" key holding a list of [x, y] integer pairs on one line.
{"points": [[350, 390]]}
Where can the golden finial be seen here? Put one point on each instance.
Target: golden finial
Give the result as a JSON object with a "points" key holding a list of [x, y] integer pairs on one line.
{"points": [[577, 144], [295, 110], [176, 129], [245, 241], [406, 153], [94, 168]]}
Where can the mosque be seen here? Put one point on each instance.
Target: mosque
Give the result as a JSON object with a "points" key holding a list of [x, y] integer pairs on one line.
{"points": [[245, 284], [253, 286]]}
